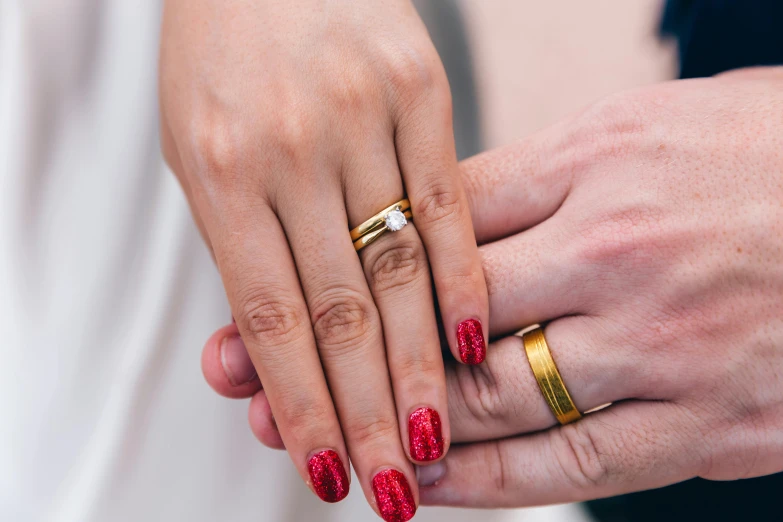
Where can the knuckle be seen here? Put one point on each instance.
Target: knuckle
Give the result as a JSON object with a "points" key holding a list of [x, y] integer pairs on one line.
{"points": [[502, 460], [497, 469], [583, 464], [304, 420], [397, 266], [438, 203], [352, 95], [219, 145], [268, 319], [370, 430], [635, 235], [423, 366], [483, 393], [462, 282], [290, 136], [623, 113], [342, 319], [414, 72], [493, 392], [611, 128]]}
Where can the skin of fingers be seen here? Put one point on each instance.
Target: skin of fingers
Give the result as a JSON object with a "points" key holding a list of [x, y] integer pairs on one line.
{"points": [[347, 329], [262, 422], [628, 447], [502, 397], [424, 139], [517, 186], [396, 267], [271, 315], [397, 271]]}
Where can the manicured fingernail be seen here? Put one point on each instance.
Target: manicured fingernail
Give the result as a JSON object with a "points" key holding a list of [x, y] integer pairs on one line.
{"points": [[470, 340], [425, 436], [235, 360], [430, 475], [393, 496], [328, 475]]}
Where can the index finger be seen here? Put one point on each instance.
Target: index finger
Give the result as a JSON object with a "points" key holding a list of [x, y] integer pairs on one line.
{"points": [[263, 288]]}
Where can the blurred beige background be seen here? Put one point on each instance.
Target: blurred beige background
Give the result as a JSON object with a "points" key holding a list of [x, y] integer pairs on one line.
{"points": [[536, 61]]}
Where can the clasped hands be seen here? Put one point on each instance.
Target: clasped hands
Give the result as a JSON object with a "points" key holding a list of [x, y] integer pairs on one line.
{"points": [[646, 232]]}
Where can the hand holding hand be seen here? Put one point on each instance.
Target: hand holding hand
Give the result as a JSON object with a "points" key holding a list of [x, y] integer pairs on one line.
{"points": [[647, 232]]}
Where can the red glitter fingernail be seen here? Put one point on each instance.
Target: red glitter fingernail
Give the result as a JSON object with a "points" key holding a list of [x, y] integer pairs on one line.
{"points": [[424, 434], [470, 340], [393, 496], [327, 473]]}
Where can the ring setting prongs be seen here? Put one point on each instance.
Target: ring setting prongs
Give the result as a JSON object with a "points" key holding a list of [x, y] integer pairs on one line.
{"points": [[395, 220]]}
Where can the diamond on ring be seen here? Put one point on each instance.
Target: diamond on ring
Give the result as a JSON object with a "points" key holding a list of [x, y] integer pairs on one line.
{"points": [[395, 220]]}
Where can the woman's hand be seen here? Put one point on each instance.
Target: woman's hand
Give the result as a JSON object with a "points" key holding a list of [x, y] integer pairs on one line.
{"points": [[647, 232], [288, 123]]}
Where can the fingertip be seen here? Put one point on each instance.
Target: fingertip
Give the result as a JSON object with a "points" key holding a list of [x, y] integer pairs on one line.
{"points": [[262, 423], [471, 344]]}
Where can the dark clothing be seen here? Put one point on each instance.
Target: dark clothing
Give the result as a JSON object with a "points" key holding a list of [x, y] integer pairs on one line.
{"points": [[719, 35], [713, 36]]}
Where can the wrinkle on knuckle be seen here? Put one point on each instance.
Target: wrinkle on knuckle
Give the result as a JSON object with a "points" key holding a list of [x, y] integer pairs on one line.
{"points": [[462, 282], [579, 457], [370, 430], [303, 418], [268, 319], [342, 319], [419, 364], [622, 114], [482, 396], [608, 129], [635, 235], [398, 266], [497, 467], [438, 203]]}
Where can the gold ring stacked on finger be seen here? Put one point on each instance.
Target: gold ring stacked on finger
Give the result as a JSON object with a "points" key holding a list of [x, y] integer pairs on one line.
{"points": [[548, 377], [391, 219]]}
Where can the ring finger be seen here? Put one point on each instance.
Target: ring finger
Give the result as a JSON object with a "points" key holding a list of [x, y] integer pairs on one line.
{"points": [[397, 269], [503, 398]]}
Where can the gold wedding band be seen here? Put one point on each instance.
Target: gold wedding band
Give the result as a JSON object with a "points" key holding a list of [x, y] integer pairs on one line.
{"points": [[390, 219], [549, 380]]}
